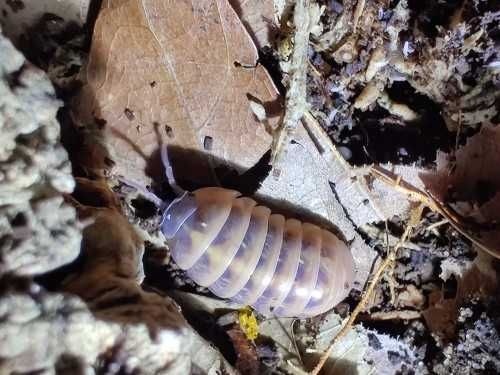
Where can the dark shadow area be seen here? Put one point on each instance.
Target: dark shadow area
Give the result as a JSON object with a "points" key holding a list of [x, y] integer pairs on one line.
{"points": [[380, 137], [186, 161], [10, 283], [269, 60], [272, 29], [430, 14], [206, 325], [246, 183], [93, 12], [52, 280], [41, 41]]}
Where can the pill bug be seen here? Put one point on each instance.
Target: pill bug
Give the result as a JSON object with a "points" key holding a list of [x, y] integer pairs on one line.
{"points": [[242, 251]]}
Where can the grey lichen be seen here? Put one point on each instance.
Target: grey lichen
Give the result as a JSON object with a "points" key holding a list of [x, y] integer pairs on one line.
{"points": [[128, 330], [38, 231], [476, 348], [38, 328]]}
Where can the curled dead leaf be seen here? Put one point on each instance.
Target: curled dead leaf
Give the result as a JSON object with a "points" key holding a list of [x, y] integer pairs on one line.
{"points": [[479, 280], [111, 246], [110, 272], [469, 182]]}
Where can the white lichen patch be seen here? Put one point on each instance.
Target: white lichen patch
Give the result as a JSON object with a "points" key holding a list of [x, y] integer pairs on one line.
{"points": [[37, 331], [38, 231], [119, 327]]}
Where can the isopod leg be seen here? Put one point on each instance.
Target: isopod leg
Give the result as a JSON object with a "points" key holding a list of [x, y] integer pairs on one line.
{"points": [[158, 202]]}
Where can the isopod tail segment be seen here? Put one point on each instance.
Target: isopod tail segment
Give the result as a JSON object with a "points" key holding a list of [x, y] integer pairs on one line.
{"points": [[242, 251]]}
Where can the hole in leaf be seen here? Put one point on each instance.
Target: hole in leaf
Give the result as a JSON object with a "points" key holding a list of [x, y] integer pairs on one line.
{"points": [[129, 114], [208, 143], [169, 131]]}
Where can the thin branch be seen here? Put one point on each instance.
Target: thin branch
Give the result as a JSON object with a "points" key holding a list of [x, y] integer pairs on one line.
{"points": [[295, 100], [390, 259], [457, 221]]}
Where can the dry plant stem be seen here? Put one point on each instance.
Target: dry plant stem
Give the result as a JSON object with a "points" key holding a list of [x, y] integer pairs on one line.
{"points": [[388, 261], [389, 277], [436, 225], [295, 100], [391, 281], [402, 186], [446, 211], [360, 7]]}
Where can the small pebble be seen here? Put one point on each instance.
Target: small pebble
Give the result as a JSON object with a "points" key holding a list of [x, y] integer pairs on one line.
{"points": [[345, 152]]}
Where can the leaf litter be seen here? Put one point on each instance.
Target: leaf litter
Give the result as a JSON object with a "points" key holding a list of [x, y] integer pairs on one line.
{"points": [[376, 95]]}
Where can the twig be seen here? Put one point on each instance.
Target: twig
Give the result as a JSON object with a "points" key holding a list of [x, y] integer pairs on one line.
{"points": [[294, 341], [391, 281], [392, 315], [390, 259], [436, 225], [459, 130], [445, 210], [295, 101], [358, 11], [402, 186], [390, 275]]}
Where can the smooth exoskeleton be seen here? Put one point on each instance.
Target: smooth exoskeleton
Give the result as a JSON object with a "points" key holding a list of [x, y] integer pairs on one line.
{"points": [[240, 250]]}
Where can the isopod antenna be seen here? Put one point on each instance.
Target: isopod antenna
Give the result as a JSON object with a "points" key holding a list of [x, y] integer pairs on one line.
{"points": [[169, 174]]}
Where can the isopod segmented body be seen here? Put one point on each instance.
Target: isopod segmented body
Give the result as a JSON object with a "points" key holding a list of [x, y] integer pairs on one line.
{"points": [[241, 251]]}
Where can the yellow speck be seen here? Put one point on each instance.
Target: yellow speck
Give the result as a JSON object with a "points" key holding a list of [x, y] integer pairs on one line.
{"points": [[248, 323], [285, 47]]}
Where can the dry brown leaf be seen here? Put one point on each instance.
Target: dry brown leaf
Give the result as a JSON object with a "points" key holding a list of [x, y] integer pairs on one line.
{"points": [[470, 183], [393, 315], [111, 246], [110, 273], [479, 280], [174, 72], [247, 362], [411, 297], [441, 316], [258, 16]]}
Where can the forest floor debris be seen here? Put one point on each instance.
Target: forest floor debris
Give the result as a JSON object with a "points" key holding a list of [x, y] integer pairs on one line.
{"points": [[405, 85]]}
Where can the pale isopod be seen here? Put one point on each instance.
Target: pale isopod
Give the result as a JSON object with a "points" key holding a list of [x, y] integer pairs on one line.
{"points": [[241, 251]]}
